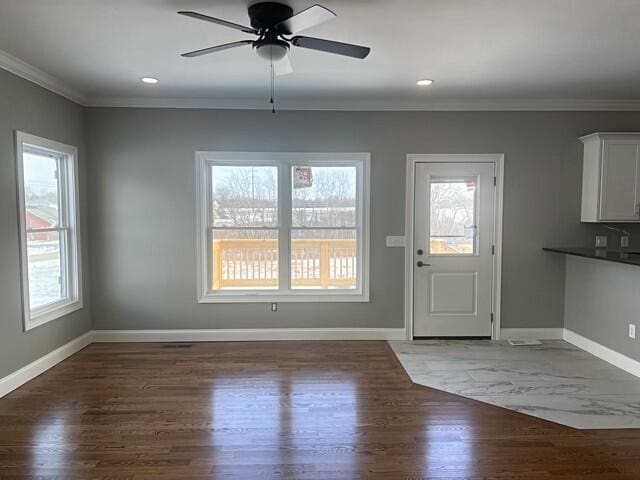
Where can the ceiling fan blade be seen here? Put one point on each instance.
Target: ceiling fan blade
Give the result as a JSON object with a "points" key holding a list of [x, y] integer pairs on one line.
{"points": [[308, 18], [330, 46], [217, 48], [224, 23], [283, 67]]}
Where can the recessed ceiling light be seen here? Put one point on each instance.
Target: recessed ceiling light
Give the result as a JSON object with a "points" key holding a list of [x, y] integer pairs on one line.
{"points": [[424, 82], [149, 80]]}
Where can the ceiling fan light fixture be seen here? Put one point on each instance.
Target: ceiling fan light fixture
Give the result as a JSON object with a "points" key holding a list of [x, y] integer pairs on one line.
{"points": [[272, 51], [425, 82], [149, 80]]}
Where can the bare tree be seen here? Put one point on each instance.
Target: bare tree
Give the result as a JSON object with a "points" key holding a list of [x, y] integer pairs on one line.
{"points": [[451, 209], [329, 202], [246, 196]]}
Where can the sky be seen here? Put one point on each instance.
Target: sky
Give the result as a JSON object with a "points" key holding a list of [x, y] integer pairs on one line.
{"points": [[39, 173]]}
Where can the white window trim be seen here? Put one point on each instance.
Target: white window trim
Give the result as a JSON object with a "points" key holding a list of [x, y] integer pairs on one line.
{"points": [[48, 313], [284, 160]]}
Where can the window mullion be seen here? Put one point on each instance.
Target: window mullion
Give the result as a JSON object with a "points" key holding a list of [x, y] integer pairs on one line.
{"points": [[45, 230], [284, 214]]}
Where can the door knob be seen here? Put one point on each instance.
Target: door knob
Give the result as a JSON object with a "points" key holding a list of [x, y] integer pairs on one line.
{"points": [[422, 264]]}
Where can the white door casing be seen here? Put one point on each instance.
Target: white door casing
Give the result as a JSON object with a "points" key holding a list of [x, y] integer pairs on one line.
{"points": [[456, 292]]}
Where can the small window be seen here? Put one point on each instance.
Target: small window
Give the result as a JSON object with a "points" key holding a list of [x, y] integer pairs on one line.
{"points": [[283, 227], [452, 225], [49, 231]]}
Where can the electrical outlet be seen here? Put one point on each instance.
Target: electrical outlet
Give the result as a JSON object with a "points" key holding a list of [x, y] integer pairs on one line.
{"points": [[632, 331], [274, 307], [624, 241]]}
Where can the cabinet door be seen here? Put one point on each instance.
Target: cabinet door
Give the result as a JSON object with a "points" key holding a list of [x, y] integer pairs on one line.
{"points": [[619, 181]]}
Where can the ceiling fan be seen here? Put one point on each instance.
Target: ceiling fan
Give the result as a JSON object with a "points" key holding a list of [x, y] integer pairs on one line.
{"points": [[274, 23]]}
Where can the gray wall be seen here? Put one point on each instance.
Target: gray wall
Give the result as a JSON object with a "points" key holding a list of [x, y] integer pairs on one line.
{"points": [[139, 195], [27, 107], [602, 299], [142, 185]]}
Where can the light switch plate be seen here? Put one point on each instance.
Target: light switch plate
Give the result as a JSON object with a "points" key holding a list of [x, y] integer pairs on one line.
{"points": [[395, 241]]}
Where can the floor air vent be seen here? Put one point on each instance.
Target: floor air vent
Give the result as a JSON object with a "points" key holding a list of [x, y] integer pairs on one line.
{"points": [[516, 342]]}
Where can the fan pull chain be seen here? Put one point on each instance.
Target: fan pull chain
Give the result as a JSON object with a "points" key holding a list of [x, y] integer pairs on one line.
{"points": [[273, 81]]}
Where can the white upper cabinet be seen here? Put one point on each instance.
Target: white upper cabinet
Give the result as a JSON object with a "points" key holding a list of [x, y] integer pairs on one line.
{"points": [[611, 177]]}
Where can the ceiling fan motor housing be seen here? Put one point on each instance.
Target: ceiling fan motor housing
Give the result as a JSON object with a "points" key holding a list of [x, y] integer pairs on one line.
{"points": [[266, 14]]}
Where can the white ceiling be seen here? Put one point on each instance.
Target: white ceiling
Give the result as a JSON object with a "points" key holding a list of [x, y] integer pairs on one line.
{"points": [[473, 49]]}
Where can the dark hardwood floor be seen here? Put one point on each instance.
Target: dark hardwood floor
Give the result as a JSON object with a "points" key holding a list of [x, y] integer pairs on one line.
{"points": [[285, 410]]}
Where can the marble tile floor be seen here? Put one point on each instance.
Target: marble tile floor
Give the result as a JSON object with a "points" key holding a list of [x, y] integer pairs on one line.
{"points": [[554, 381]]}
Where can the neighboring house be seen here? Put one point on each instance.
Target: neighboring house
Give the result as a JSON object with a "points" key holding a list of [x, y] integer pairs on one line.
{"points": [[41, 217]]}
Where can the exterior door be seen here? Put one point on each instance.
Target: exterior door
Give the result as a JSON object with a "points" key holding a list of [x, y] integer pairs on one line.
{"points": [[453, 249]]}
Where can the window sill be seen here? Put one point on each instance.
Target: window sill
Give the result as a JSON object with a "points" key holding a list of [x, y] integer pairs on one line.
{"points": [[275, 297], [50, 314]]}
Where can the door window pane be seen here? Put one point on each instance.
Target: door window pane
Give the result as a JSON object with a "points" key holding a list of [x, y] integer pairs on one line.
{"points": [[326, 259], [245, 259], [45, 268], [323, 196], [41, 190], [453, 227], [244, 196]]}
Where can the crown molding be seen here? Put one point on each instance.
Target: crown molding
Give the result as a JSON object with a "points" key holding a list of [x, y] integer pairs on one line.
{"points": [[33, 74], [509, 104], [39, 77]]}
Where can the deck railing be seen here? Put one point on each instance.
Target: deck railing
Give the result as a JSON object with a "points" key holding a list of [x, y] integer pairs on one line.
{"points": [[251, 263]]}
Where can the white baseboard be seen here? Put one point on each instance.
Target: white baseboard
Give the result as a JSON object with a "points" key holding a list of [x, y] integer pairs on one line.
{"points": [[35, 368], [532, 333], [604, 353], [245, 335]]}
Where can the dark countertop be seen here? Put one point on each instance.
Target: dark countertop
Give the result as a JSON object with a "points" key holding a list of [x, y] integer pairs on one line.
{"points": [[629, 258]]}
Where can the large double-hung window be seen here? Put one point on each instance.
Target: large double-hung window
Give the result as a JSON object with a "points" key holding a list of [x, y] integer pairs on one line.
{"points": [[283, 227], [47, 174]]}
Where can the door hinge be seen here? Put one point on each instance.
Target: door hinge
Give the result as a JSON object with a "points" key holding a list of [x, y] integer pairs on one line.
{"points": [[495, 181], [492, 318], [493, 249]]}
